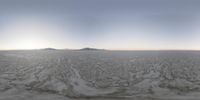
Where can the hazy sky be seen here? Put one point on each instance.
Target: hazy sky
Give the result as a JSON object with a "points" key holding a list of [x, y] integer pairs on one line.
{"points": [[108, 24]]}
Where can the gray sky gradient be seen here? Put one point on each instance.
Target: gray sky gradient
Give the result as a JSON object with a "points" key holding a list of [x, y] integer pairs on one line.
{"points": [[108, 24]]}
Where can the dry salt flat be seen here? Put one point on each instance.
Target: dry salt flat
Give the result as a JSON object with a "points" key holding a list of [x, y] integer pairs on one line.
{"points": [[99, 75]]}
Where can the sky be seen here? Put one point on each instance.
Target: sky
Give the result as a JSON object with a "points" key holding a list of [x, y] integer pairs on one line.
{"points": [[105, 24]]}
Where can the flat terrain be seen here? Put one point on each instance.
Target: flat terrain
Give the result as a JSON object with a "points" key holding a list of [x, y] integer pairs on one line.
{"points": [[99, 75]]}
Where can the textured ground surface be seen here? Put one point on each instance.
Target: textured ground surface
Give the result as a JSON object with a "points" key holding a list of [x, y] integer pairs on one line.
{"points": [[108, 75]]}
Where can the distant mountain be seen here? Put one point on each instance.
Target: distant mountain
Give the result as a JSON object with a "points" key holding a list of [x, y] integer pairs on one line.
{"points": [[90, 49], [48, 49]]}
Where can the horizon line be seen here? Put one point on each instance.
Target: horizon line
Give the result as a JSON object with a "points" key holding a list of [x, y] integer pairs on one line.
{"points": [[104, 49]]}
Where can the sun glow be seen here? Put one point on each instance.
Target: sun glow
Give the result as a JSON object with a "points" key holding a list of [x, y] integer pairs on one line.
{"points": [[32, 42], [28, 34]]}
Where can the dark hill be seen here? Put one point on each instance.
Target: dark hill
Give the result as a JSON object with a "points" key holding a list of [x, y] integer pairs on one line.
{"points": [[90, 49], [49, 49]]}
